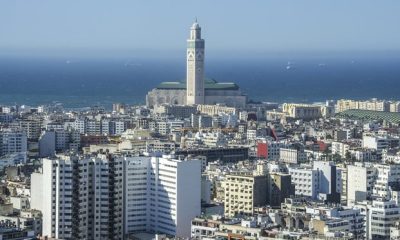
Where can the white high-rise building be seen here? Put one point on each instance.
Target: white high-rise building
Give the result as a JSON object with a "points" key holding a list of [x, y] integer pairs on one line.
{"points": [[360, 181], [195, 66], [161, 195], [103, 196], [80, 197], [52, 194]]}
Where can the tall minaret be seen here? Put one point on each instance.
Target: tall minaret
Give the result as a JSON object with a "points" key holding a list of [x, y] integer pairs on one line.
{"points": [[195, 67]]}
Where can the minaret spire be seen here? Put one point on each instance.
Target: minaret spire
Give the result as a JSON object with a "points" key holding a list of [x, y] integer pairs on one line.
{"points": [[195, 66]]}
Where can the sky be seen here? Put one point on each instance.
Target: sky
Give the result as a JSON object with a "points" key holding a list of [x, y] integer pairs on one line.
{"points": [[150, 26]]}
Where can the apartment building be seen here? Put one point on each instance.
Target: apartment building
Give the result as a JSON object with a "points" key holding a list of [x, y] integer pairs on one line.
{"points": [[80, 197], [381, 216], [387, 176], [360, 181], [244, 192], [306, 182], [12, 141], [162, 194], [292, 156], [323, 181], [372, 105], [302, 111], [32, 128]]}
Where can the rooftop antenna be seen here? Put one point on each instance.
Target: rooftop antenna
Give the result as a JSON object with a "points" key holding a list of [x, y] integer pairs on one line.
{"points": [[195, 20]]}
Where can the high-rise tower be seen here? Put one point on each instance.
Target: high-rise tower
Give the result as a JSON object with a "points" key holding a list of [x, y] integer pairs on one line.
{"points": [[195, 66]]}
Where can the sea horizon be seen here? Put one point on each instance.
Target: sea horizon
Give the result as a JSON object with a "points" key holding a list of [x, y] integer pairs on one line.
{"points": [[86, 81]]}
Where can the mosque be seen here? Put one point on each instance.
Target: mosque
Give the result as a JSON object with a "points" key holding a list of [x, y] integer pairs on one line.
{"points": [[196, 89]]}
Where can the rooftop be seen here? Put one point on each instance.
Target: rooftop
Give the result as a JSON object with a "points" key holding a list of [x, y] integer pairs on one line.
{"points": [[370, 115], [209, 84]]}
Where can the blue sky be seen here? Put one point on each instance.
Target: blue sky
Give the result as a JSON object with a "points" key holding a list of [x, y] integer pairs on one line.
{"points": [[228, 25]]}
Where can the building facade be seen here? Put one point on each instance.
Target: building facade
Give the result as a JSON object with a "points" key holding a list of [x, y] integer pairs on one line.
{"points": [[80, 197], [243, 193], [162, 194]]}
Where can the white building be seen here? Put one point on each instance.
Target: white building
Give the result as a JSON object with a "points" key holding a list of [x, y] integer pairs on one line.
{"points": [[377, 143], [305, 181], [354, 217], [162, 194], [330, 183], [340, 148], [93, 127], [339, 219], [387, 176], [51, 193], [292, 156], [360, 181], [363, 154], [79, 125], [322, 182], [117, 127], [162, 127], [105, 127], [213, 139], [382, 215]]}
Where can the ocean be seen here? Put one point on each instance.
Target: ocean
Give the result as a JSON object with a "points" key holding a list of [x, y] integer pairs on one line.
{"points": [[81, 82]]}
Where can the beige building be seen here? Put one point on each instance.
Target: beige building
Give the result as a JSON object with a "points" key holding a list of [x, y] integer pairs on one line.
{"points": [[304, 111], [345, 104], [372, 105], [394, 106], [244, 192], [215, 109]]}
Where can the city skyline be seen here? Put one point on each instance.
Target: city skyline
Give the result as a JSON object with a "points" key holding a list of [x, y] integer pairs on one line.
{"points": [[270, 119]]}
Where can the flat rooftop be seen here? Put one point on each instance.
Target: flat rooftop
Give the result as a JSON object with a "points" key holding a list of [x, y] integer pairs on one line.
{"points": [[209, 84]]}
